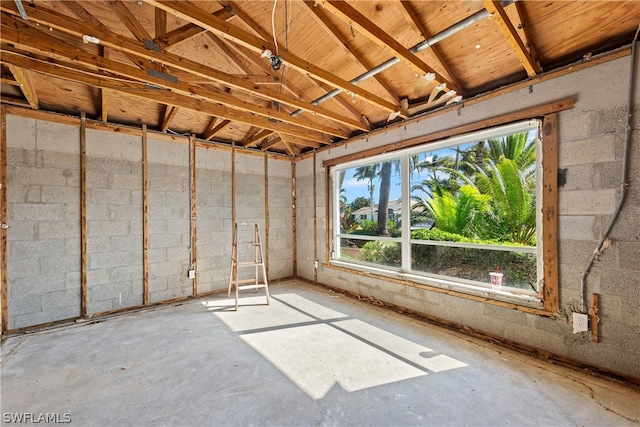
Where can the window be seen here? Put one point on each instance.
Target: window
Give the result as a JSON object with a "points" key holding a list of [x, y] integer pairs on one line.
{"points": [[465, 210]]}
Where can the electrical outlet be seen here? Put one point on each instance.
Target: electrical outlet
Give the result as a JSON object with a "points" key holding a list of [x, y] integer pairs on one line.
{"points": [[192, 274], [315, 264], [580, 323]]}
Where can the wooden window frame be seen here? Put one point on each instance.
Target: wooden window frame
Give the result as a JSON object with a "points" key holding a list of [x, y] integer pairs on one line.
{"points": [[548, 114]]}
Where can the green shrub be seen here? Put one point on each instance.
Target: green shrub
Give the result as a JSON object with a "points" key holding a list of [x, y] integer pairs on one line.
{"points": [[385, 253]]}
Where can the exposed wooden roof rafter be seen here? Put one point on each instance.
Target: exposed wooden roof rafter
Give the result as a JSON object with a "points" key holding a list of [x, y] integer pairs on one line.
{"points": [[351, 16], [187, 31], [341, 40], [503, 22], [40, 39], [23, 78], [414, 20], [49, 67], [210, 133], [237, 35], [133, 25], [169, 114]]}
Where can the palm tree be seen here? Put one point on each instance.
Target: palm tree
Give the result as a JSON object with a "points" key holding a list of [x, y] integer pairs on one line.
{"points": [[457, 213], [368, 172], [511, 217]]}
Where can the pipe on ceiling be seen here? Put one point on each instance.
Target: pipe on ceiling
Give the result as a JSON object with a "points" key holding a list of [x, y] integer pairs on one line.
{"points": [[419, 47]]}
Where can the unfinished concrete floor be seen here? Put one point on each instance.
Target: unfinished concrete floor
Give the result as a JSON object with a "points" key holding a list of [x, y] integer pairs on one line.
{"points": [[310, 358]]}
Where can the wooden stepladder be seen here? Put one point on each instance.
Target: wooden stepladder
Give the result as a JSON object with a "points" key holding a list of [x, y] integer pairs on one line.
{"points": [[257, 262]]}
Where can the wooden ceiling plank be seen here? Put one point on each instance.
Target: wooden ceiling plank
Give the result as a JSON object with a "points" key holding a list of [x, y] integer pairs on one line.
{"points": [[244, 38], [266, 36], [416, 23], [35, 40], [351, 16], [505, 26], [341, 40], [26, 85], [287, 145], [235, 59], [161, 96], [169, 114], [210, 134], [133, 25], [187, 31], [87, 17]]}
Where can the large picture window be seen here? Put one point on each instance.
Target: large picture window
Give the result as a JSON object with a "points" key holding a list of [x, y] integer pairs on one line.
{"points": [[465, 210]]}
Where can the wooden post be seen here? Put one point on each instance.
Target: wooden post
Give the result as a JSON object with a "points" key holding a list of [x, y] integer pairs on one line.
{"points": [[294, 248], [550, 211], [83, 215], [315, 221], [233, 188], [4, 263], [266, 212], [327, 218], [594, 316], [193, 217], [145, 219]]}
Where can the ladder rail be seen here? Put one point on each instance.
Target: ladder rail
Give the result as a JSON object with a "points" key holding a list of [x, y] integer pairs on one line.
{"points": [[258, 263]]}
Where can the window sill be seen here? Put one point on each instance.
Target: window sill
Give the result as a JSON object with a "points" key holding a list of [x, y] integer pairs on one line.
{"points": [[502, 297]]}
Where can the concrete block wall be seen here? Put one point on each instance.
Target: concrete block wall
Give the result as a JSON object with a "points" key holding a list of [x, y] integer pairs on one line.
{"points": [[114, 221], [280, 220], [590, 149], [213, 212], [44, 245], [43, 195], [169, 199]]}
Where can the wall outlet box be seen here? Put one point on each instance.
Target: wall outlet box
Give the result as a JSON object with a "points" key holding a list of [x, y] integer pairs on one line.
{"points": [[580, 323], [192, 274]]}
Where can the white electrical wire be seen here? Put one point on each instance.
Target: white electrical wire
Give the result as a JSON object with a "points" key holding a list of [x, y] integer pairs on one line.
{"points": [[273, 25]]}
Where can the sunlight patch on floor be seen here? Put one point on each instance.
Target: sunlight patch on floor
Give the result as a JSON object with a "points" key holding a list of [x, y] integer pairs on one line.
{"points": [[317, 347]]}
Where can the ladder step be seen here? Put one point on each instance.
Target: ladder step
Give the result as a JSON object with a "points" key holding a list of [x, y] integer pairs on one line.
{"points": [[249, 243], [258, 286], [239, 282], [248, 263]]}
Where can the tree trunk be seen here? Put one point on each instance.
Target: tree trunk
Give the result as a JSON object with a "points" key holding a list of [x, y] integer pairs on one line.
{"points": [[383, 203]]}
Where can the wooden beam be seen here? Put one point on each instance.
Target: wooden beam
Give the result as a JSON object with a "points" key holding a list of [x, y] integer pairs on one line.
{"points": [[4, 253], [9, 81], [188, 31], [169, 114], [210, 125], [104, 94], [594, 318], [550, 285], [26, 85], [35, 40], [348, 48], [266, 214], [163, 97], [509, 32], [194, 93], [244, 38], [294, 222], [270, 143], [145, 218], [374, 33], [417, 24], [287, 145], [129, 21], [524, 114], [256, 138], [193, 218], [84, 257], [210, 134], [160, 22]]}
